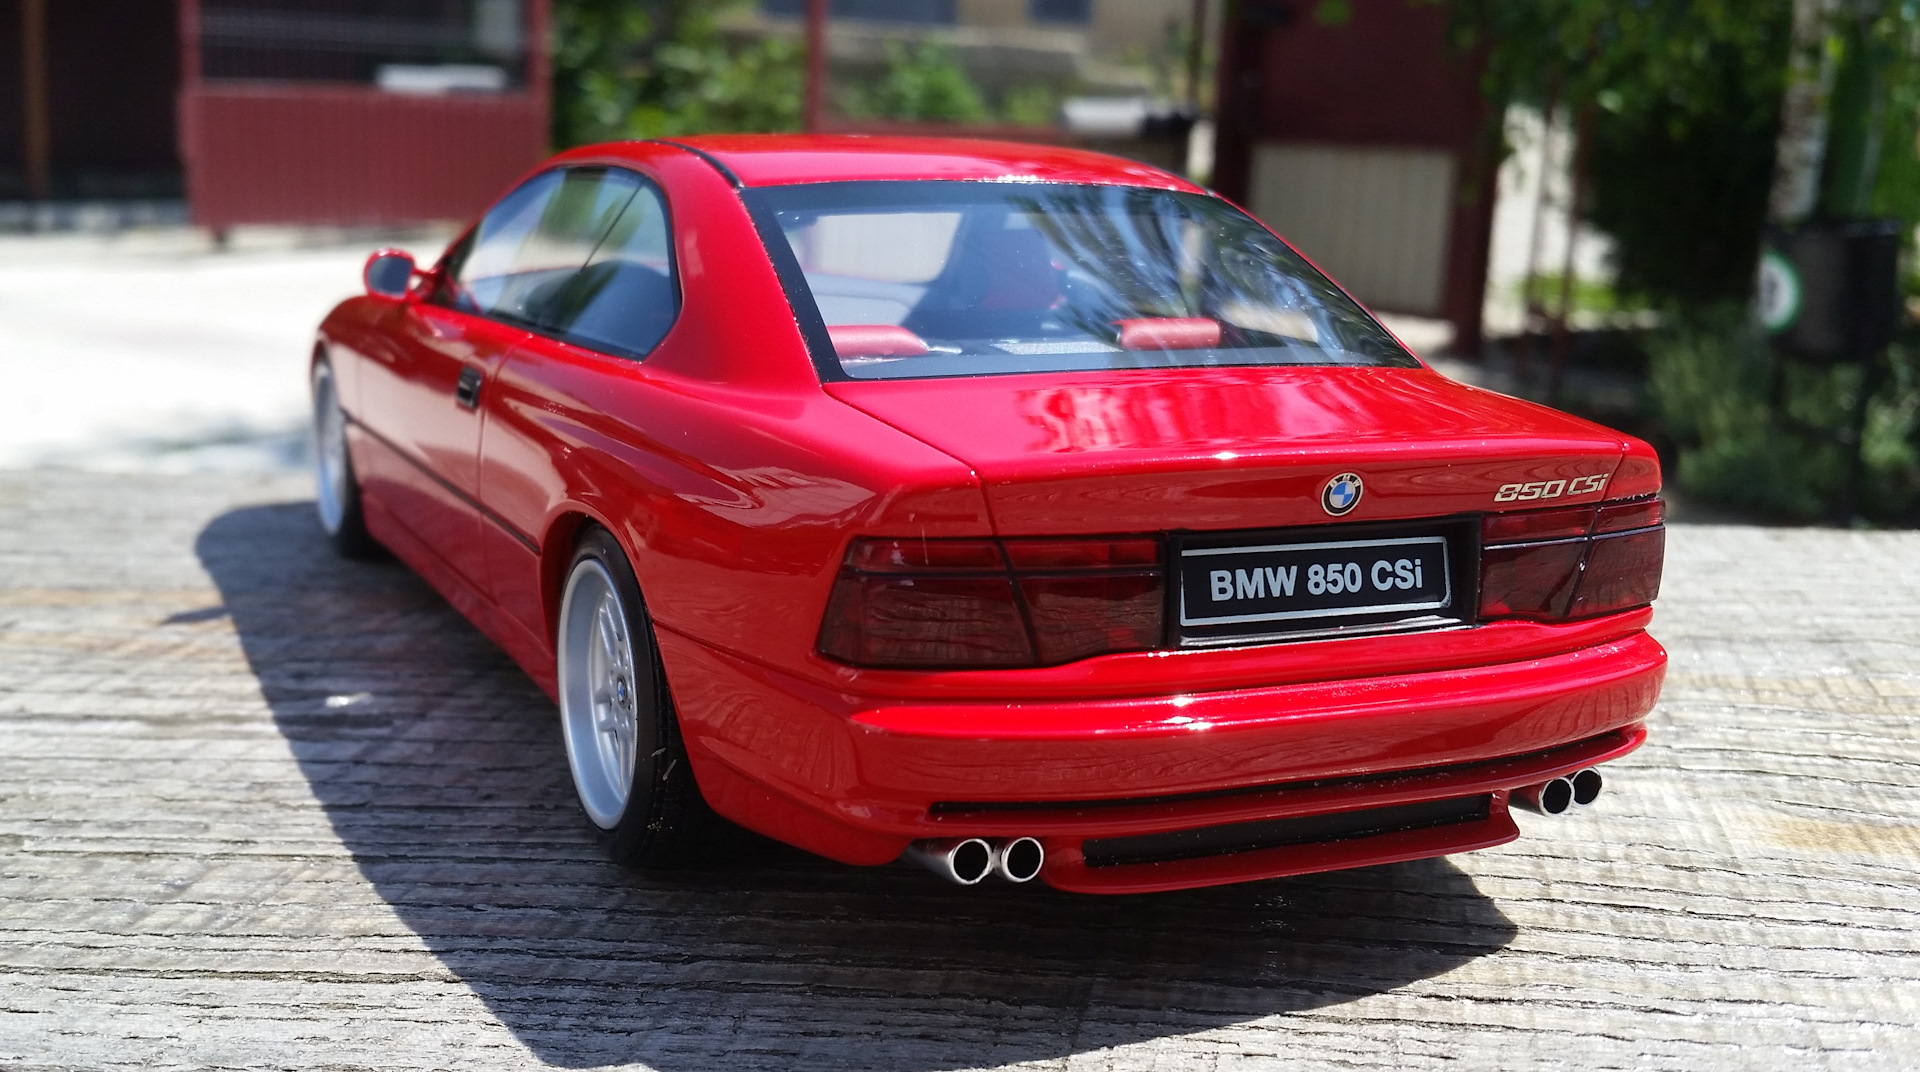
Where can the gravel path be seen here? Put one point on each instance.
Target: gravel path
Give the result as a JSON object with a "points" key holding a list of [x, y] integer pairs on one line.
{"points": [[260, 808]]}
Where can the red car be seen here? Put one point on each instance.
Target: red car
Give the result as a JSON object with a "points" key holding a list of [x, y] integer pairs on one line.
{"points": [[1022, 510]]}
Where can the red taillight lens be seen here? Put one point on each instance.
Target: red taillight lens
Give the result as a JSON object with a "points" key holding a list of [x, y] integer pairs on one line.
{"points": [[1622, 571], [1634, 514], [936, 604], [1532, 526], [1544, 565], [1053, 555], [1529, 581], [926, 556], [1074, 617], [888, 620]]}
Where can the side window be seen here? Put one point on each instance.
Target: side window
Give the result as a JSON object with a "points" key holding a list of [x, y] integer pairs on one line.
{"points": [[527, 249], [625, 297]]}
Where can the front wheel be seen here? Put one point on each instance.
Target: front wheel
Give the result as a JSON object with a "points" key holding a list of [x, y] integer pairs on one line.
{"points": [[336, 489], [622, 739]]}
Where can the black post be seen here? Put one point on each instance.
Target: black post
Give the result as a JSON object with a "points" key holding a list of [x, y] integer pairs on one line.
{"points": [[1872, 371]]}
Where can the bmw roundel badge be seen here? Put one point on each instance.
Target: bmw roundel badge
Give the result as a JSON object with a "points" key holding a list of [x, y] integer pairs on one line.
{"points": [[1341, 494]]}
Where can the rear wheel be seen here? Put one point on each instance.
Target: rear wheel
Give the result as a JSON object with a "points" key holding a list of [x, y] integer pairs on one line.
{"points": [[336, 489], [622, 738]]}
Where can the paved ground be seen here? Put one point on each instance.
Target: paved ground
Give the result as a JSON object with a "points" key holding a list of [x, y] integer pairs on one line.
{"points": [[263, 809], [152, 351]]}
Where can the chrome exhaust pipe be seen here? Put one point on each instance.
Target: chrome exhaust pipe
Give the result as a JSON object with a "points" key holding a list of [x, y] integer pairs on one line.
{"points": [[964, 861], [1019, 859], [1552, 797], [1586, 786]]}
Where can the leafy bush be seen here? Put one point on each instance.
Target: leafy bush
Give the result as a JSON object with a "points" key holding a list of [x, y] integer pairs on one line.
{"points": [[643, 70], [1030, 105], [1744, 444], [922, 82]]}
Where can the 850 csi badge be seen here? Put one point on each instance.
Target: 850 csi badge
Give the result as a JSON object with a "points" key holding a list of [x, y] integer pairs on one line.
{"points": [[1341, 494]]}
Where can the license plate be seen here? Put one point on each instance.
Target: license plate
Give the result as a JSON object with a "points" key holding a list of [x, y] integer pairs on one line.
{"points": [[1313, 583]]}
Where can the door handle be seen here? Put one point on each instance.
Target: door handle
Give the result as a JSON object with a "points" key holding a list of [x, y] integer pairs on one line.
{"points": [[467, 391]]}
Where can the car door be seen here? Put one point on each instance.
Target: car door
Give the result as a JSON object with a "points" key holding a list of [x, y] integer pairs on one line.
{"points": [[607, 317], [426, 405]]}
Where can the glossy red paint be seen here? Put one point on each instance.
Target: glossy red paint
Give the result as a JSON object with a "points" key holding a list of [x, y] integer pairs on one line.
{"points": [[762, 161], [736, 481]]}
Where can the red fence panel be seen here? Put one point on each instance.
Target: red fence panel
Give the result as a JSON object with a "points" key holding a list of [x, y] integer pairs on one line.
{"points": [[315, 154]]}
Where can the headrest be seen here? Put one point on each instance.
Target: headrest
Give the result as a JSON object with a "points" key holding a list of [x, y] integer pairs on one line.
{"points": [[1020, 273], [875, 340], [1169, 333]]}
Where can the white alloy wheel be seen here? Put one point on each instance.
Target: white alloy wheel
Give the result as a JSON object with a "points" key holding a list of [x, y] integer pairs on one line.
{"points": [[599, 692], [330, 467]]}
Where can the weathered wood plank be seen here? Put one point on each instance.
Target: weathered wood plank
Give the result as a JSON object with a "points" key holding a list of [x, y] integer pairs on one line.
{"points": [[263, 809]]}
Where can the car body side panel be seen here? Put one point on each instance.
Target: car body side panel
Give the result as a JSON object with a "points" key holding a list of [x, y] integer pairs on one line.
{"points": [[734, 507], [407, 399], [352, 335], [379, 466], [729, 476]]}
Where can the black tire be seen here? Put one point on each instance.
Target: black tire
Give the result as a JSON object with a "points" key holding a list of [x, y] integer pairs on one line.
{"points": [[336, 486], [660, 819]]}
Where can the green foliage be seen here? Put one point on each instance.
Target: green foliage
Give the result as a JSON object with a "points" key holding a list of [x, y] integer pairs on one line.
{"points": [[1030, 106], [1589, 295], [1684, 196], [700, 86], [1632, 56], [922, 82], [1685, 96], [1332, 12], [1870, 160], [1711, 384], [630, 69]]}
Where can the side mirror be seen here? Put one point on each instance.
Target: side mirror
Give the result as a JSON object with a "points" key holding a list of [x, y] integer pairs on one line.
{"points": [[389, 273]]}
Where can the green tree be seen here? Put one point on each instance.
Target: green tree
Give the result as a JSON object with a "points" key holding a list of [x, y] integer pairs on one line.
{"points": [[1685, 98], [653, 68], [1684, 95], [922, 82]]}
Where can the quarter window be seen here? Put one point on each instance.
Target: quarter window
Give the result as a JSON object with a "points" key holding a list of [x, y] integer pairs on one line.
{"points": [[582, 253], [623, 299]]}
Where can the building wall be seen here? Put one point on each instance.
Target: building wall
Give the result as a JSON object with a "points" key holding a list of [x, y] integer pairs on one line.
{"points": [[1374, 219], [111, 69], [1107, 29], [1367, 144]]}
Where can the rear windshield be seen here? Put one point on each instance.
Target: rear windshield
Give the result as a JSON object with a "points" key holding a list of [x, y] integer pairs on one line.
{"points": [[897, 280]]}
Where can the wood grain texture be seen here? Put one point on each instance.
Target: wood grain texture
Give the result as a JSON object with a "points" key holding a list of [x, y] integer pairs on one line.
{"points": [[260, 808]]}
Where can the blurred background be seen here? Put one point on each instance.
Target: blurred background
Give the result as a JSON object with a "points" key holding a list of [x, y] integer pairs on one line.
{"points": [[1690, 219]]}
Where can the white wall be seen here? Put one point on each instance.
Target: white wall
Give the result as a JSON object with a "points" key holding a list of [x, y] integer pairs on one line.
{"points": [[1375, 219]]}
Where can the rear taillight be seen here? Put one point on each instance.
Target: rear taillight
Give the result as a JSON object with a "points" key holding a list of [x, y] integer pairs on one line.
{"points": [[1571, 562], [935, 604]]}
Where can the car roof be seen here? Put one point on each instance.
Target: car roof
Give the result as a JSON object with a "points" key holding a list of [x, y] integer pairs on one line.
{"points": [[785, 159]]}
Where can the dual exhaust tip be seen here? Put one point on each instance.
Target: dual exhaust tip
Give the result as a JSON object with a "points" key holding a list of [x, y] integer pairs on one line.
{"points": [[1558, 796], [968, 861]]}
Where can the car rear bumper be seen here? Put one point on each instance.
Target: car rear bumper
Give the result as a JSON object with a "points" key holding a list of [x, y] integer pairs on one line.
{"points": [[856, 779]]}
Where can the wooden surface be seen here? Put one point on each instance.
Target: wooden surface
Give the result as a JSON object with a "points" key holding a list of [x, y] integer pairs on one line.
{"points": [[263, 809]]}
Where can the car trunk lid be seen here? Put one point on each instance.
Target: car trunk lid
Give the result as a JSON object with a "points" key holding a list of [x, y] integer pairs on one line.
{"points": [[1242, 448]]}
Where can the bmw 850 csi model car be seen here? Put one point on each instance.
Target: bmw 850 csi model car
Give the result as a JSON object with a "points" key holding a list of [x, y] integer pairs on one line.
{"points": [[1019, 510]]}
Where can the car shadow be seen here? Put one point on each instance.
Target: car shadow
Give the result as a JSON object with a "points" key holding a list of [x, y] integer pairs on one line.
{"points": [[440, 769]]}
